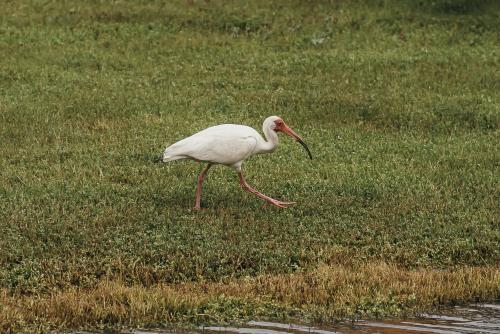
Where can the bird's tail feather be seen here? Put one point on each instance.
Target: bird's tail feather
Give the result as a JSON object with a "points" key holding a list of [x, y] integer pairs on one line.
{"points": [[172, 158], [170, 155]]}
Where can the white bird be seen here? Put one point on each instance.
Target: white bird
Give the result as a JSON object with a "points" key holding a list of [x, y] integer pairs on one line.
{"points": [[230, 145]]}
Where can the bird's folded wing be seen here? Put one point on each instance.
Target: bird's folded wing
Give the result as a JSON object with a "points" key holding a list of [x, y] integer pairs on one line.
{"points": [[220, 149]]}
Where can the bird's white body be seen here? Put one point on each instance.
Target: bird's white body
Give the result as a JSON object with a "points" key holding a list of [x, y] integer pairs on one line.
{"points": [[230, 145], [226, 144]]}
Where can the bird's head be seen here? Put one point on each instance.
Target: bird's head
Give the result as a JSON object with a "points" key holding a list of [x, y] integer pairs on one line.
{"points": [[278, 125]]}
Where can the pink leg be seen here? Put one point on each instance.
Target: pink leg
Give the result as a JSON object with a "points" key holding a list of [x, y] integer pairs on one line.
{"points": [[201, 177], [268, 199]]}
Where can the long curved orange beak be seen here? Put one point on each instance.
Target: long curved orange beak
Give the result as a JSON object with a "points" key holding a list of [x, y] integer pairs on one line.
{"points": [[286, 129]]}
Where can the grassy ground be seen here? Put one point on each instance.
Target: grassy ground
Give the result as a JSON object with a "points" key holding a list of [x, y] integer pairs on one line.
{"points": [[398, 211]]}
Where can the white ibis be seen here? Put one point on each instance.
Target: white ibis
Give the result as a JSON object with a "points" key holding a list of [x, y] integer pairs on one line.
{"points": [[230, 145]]}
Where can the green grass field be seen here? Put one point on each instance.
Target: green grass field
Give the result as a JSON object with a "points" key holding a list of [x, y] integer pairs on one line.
{"points": [[398, 211]]}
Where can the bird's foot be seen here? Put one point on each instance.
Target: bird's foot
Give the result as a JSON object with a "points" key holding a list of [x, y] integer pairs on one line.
{"points": [[287, 203], [279, 204]]}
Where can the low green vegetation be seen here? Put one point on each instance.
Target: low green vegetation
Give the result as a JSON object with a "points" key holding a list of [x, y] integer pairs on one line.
{"points": [[398, 101]]}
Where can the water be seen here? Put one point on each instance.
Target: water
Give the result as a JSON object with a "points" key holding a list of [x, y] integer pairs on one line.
{"points": [[476, 318]]}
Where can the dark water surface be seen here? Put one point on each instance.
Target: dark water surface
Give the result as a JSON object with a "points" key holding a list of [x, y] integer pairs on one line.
{"points": [[476, 318]]}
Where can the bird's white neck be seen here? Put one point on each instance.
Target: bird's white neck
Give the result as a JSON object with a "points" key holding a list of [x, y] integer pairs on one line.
{"points": [[271, 137]]}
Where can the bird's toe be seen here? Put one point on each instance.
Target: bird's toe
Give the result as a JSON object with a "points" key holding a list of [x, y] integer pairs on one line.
{"points": [[287, 203]]}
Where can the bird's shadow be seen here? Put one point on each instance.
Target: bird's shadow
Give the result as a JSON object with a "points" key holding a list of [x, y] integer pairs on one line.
{"points": [[177, 199], [183, 199], [216, 195]]}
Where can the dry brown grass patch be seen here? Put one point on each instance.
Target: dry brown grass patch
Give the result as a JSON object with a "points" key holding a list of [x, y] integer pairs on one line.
{"points": [[324, 293]]}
